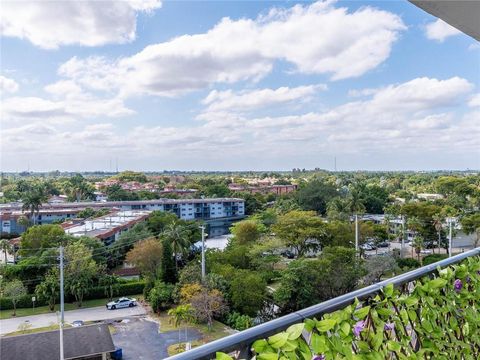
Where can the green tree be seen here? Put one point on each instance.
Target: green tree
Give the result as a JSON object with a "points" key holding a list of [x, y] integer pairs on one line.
{"points": [[14, 290], [80, 270], [160, 296], [315, 195], [110, 285], [179, 315], [178, 236], [49, 288], [32, 200], [247, 231], [79, 189], [248, 292], [40, 237], [301, 230], [471, 225], [6, 248]]}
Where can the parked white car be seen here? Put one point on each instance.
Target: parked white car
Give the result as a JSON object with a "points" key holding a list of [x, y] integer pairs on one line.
{"points": [[121, 303]]}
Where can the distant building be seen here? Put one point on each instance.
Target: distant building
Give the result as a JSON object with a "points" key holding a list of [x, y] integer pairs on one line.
{"points": [[263, 189], [92, 342], [106, 228], [219, 210], [426, 196]]}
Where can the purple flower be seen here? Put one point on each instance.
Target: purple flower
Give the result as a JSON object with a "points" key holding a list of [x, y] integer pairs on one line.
{"points": [[358, 327], [318, 357], [389, 326], [458, 285]]}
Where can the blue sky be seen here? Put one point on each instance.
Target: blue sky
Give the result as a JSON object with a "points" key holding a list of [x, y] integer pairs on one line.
{"points": [[229, 85]]}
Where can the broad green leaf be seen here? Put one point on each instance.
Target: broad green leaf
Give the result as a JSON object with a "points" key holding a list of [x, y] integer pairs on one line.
{"points": [[295, 331], [345, 329], [326, 325], [222, 356], [309, 324], [278, 340], [377, 340], [362, 313], [290, 345], [267, 356], [388, 290], [393, 345], [384, 311], [260, 345], [437, 283], [318, 343]]}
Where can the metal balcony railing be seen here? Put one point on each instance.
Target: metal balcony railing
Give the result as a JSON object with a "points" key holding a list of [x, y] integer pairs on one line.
{"points": [[241, 342]]}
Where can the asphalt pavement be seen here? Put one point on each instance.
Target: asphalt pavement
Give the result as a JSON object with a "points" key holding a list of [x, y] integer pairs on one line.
{"points": [[88, 314], [140, 340]]}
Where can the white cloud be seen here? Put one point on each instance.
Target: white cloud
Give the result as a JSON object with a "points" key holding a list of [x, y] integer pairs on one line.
{"points": [[8, 85], [318, 38], [439, 30], [248, 100], [375, 125], [474, 101], [50, 24], [27, 109], [421, 94]]}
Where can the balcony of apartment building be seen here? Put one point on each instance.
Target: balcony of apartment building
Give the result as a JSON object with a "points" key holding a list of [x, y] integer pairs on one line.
{"points": [[432, 312]]}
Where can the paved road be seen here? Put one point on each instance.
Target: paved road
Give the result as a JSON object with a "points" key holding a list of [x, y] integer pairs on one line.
{"points": [[140, 340], [89, 314]]}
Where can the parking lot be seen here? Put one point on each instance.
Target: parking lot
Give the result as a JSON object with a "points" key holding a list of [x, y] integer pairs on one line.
{"points": [[140, 340]]}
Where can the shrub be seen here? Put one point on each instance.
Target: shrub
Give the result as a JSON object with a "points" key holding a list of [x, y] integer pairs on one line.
{"points": [[430, 259], [238, 321], [408, 263], [160, 296]]}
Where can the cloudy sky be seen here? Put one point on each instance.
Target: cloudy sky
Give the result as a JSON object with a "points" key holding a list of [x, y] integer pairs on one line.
{"points": [[235, 86]]}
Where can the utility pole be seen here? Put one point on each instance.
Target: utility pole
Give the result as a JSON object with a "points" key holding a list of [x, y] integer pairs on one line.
{"points": [[450, 237], [62, 356], [356, 232], [203, 251], [404, 234]]}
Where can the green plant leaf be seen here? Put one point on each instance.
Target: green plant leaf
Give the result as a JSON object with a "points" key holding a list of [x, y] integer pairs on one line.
{"points": [[222, 356], [278, 340], [318, 343], [326, 325], [260, 346], [295, 331], [362, 313]]}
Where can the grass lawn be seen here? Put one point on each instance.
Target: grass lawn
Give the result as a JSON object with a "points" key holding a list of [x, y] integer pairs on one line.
{"points": [[30, 331], [218, 331], [7, 314]]}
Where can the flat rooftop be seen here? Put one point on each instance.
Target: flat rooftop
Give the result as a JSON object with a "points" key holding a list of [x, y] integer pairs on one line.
{"points": [[106, 226]]}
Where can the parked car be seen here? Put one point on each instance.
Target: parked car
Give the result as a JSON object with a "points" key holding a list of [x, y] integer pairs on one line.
{"points": [[288, 254], [367, 247], [430, 244], [383, 244], [77, 323], [121, 303]]}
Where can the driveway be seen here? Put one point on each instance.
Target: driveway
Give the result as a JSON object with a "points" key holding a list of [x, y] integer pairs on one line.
{"points": [[88, 314], [140, 340]]}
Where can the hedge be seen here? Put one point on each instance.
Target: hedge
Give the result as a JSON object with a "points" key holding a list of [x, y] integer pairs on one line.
{"points": [[97, 292]]}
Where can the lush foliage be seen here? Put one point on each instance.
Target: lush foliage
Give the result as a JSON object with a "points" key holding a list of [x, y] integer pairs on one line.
{"points": [[436, 319]]}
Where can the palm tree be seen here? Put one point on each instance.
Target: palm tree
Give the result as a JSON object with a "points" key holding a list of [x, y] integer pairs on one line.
{"points": [[181, 314], [177, 235], [414, 225], [6, 247], [417, 244], [33, 200], [437, 223]]}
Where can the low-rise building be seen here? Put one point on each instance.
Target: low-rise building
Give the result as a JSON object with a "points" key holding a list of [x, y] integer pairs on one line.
{"points": [[92, 342], [106, 228]]}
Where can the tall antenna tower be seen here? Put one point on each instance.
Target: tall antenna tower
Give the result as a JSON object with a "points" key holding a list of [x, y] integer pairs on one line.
{"points": [[335, 163]]}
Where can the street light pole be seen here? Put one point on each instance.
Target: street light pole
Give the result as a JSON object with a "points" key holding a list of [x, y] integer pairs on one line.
{"points": [[62, 356], [402, 249], [450, 237], [203, 251], [356, 232]]}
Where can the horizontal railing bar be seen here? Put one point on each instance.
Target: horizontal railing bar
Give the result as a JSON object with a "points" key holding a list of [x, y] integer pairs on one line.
{"points": [[246, 337]]}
